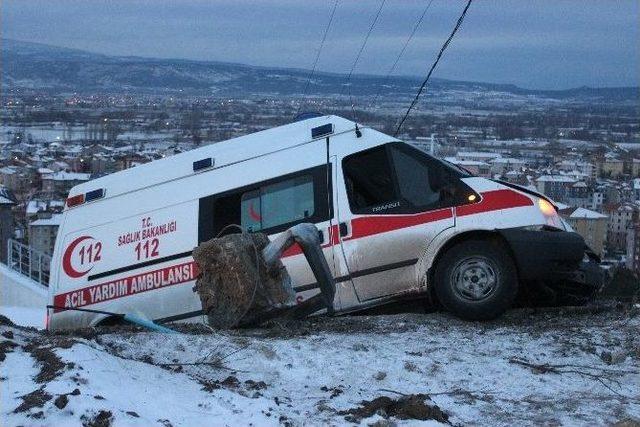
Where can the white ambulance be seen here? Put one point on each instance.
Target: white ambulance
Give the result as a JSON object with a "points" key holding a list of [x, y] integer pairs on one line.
{"points": [[395, 223]]}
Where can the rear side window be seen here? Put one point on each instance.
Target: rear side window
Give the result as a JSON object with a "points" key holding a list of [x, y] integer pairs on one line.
{"points": [[270, 206], [276, 204]]}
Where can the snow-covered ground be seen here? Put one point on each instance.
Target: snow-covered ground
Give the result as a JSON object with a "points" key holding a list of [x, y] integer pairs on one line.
{"points": [[25, 316], [553, 367]]}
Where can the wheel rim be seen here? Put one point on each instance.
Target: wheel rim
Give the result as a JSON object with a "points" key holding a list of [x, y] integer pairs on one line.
{"points": [[474, 278]]}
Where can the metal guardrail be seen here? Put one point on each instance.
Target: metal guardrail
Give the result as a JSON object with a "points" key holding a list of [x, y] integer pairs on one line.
{"points": [[28, 261]]}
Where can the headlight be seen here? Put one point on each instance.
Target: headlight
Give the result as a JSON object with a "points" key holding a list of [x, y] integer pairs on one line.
{"points": [[550, 214], [546, 208]]}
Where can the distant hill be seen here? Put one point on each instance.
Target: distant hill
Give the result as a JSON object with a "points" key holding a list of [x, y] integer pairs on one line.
{"points": [[41, 66]]}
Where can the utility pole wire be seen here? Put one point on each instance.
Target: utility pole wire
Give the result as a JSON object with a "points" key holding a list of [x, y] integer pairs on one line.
{"points": [[315, 63], [355, 63], [404, 48], [435, 63]]}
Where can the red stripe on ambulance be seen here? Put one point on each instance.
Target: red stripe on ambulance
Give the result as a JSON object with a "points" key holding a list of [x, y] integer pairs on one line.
{"points": [[495, 200], [126, 286], [371, 225]]}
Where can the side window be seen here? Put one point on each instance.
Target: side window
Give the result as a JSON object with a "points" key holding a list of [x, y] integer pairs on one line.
{"points": [[395, 178], [418, 182], [276, 204], [369, 180], [269, 206]]}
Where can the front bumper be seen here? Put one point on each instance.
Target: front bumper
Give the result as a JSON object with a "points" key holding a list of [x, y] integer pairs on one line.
{"points": [[554, 257], [589, 272]]}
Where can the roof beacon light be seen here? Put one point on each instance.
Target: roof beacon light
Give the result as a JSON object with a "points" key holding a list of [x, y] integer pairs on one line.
{"points": [[321, 131]]}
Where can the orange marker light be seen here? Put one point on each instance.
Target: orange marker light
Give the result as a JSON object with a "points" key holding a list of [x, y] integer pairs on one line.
{"points": [[546, 208], [75, 200]]}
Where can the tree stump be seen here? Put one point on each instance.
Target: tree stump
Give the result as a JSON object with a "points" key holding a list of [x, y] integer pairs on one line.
{"points": [[235, 285]]}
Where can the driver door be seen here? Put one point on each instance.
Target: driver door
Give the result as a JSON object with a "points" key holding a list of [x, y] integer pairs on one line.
{"points": [[396, 207]]}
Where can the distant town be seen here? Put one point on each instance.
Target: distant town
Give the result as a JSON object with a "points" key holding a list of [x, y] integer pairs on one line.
{"points": [[583, 152]]}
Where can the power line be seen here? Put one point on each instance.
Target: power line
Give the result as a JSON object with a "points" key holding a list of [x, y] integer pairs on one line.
{"points": [[315, 63], [404, 48], [355, 63], [435, 63]]}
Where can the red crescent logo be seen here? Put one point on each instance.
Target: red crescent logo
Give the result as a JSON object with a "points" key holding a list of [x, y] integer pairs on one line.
{"points": [[66, 259]]}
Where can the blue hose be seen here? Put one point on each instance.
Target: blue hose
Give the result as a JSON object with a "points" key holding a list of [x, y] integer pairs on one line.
{"points": [[148, 324]]}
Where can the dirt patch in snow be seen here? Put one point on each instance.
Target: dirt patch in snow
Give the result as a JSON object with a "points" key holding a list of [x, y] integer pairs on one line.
{"points": [[101, 419], [51, 366], [528, 318], [61, 401], [627, 422], [91, 333], [6, 346], [35, 399], [409, 407], [5, 321], [231, 382]]}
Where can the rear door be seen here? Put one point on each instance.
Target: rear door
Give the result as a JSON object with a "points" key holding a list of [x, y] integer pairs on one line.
{"points": [[273, 206], [303, 197], [394, 195]]}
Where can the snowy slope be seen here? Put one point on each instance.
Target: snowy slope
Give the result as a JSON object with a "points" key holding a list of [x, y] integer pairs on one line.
{"points": [[306, 373]]}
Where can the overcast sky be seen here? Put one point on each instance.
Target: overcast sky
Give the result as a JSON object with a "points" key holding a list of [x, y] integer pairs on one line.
{"points": [[531, 43]]}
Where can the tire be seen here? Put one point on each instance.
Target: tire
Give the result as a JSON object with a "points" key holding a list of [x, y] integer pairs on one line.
{"points": [[476, 280]]}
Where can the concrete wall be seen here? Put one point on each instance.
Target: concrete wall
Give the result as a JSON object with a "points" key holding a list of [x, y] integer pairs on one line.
{"points": [[17, 290]]}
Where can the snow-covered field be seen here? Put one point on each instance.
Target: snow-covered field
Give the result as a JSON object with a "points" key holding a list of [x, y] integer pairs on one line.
{"points": [[58, 132], [552, 367]]}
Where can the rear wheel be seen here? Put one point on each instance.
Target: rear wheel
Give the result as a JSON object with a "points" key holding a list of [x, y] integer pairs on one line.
{"points": [[476, 280]]}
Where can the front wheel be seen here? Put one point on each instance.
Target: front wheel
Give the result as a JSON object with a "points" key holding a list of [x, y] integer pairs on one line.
{"points": [[476, 280]]}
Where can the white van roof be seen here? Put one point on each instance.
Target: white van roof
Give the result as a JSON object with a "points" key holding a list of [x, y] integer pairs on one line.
{"points": [[222, 153]]}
